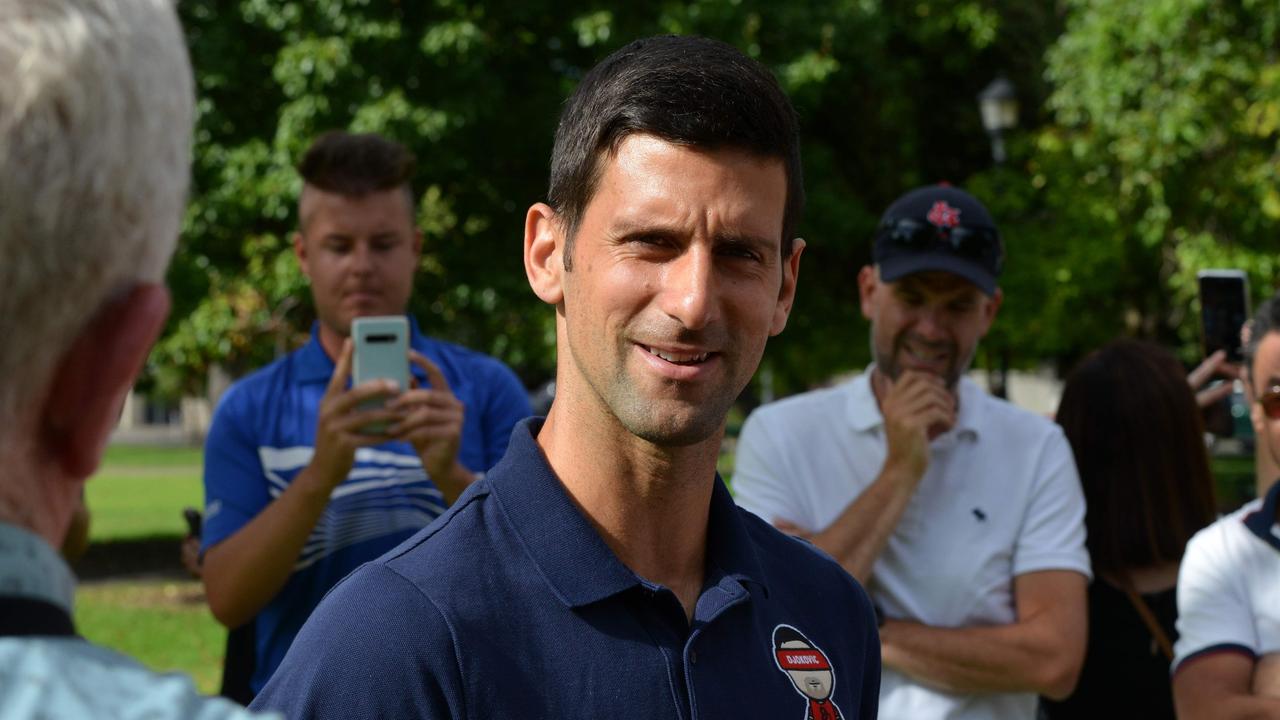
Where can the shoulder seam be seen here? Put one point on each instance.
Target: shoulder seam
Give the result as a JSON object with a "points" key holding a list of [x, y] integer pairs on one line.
{"points": [[454, 635]]}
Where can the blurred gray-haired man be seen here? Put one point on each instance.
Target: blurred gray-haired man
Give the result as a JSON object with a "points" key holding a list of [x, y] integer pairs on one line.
{"points": [[96, 108]]}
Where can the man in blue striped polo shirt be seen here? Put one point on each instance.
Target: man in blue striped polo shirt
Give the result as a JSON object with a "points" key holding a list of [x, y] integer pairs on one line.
{"points": [[296, 495]]}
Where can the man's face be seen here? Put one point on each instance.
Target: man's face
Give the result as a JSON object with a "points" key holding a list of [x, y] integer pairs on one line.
{"points": [[1264, 375], [677, 283], [928, 321], [359, 254]]}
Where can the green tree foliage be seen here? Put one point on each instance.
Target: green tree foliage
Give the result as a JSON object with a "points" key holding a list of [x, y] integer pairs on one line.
{"points": [[1160, 160], [885, 92]]}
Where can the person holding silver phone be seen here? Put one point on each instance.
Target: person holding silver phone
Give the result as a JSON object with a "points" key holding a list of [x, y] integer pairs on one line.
{"points": [[307, 474]]}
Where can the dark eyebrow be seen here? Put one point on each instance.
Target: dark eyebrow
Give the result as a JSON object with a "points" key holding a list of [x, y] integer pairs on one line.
{"points": [[627, 229], [753, 242], [624, 229]]}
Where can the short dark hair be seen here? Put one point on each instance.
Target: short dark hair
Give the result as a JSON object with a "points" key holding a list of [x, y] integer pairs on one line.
{"points": [[357, 164], [685, 90], [1138, 441], [1265, 321]]}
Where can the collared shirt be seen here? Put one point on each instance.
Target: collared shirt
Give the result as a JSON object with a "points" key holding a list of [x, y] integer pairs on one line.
{"points": [[48, 672], [263, 435], [30, 569], [511, 605], [1229, 585], [1000, 498]]}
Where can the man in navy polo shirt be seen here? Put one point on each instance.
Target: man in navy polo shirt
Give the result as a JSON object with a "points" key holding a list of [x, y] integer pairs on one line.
{"points": [[296, 496], [601, 569]]}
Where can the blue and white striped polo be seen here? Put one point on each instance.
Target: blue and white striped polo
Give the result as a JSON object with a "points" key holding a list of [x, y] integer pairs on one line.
{"points": [[262, 436]]}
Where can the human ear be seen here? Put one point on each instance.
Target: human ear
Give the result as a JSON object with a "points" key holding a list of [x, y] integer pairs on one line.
{"points": [[95, 374], [300, 252], [868, 281], [787, 292], [990, 308], [543, 253], [417, 245]]}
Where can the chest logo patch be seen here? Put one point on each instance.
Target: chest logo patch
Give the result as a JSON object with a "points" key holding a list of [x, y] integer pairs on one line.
{"points": [[809, 670]]}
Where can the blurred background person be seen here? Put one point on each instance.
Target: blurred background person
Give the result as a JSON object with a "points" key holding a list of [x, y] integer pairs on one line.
{"points": [[1226, 663], [1136, 431], [96, 110], [297, 494]]}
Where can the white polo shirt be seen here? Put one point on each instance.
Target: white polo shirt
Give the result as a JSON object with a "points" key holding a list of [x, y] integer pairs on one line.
{"points": [[1229, 585], [1001, 498]]}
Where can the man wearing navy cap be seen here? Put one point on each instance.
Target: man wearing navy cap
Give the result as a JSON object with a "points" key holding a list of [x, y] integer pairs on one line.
{"points": [[962, 514], [601, 569]]}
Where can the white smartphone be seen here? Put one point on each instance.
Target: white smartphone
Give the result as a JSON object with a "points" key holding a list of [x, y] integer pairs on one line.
{"points": [[1224, 308], [381, 353]]}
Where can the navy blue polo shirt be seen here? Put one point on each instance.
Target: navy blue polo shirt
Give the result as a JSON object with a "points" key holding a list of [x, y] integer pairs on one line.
{"points": [[263, 435], [510, 605]]}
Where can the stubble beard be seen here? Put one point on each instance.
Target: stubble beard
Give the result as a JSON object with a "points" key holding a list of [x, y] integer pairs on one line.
{"points": [[664, 422]]}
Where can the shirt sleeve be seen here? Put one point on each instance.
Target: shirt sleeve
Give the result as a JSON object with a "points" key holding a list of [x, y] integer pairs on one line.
{"points": [[760, 474], [507, 404], [376, 647], [1052, 536], [1214, 613], [864, 614], [235, 488]]}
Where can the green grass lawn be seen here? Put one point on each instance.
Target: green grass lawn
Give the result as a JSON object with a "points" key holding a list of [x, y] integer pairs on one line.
{"points": [[164, 624], [141, 491]]}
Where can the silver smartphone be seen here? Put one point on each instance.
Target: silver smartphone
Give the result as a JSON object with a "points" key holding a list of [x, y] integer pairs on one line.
{"points": [[381, 353], [1224, 308]]}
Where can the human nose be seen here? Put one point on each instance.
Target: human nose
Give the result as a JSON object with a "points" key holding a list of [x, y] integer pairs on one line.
{"points": [[689, 288], [362, 259], [929, 324]]}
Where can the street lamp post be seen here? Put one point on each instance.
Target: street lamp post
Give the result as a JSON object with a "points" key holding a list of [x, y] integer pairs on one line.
{"points": [[999, 105]]}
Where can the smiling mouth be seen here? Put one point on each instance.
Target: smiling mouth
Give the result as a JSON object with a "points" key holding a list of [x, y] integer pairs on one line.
{"points": [[678, 358]]}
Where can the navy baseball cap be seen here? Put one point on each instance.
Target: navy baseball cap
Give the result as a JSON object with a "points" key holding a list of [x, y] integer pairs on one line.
{"points": [[939, 227]]}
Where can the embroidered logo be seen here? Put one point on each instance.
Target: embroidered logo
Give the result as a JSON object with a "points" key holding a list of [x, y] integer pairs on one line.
{"points": [[808, 669], [942, 215]]}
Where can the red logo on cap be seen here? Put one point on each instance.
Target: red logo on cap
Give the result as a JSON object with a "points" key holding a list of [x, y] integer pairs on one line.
{"points": [[943, 215]]}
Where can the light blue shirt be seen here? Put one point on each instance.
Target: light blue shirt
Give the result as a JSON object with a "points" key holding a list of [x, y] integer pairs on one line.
{"points": [[68, 677]]}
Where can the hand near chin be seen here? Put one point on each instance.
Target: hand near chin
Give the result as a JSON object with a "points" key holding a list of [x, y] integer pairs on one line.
{"points": [[916, 407]]}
